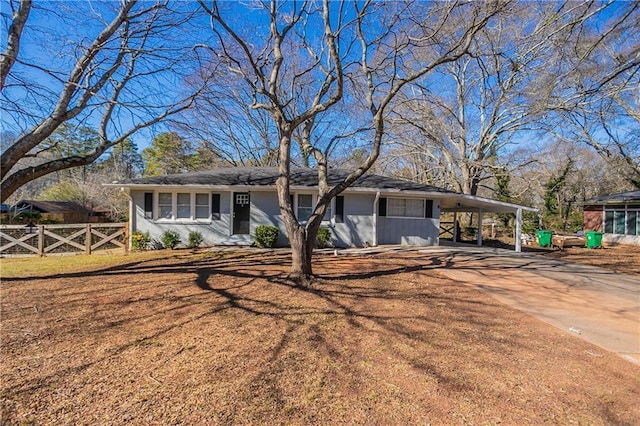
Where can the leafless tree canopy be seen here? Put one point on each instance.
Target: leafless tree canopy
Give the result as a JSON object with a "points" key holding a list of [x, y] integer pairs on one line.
{"points": [[536, 59], [102, 64], [302, 60], [444, 91], [598, 101]]}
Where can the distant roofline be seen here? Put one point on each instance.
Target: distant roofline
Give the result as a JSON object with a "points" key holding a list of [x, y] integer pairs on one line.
{"points": [[617, 198]]}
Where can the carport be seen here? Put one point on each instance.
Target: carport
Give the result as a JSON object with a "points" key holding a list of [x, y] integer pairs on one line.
{"points": [[463, 203]]}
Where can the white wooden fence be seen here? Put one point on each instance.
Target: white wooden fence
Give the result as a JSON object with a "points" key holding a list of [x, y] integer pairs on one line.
{"points": [[56, 239]]}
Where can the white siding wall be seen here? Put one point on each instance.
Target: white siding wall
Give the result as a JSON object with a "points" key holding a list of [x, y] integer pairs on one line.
{"points": [[621, 239]]}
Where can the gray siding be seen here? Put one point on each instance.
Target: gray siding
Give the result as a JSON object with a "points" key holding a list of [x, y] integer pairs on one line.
{"points": [[356, 231], [266, 211], [411, 231], [213, 232], [421, 232]]}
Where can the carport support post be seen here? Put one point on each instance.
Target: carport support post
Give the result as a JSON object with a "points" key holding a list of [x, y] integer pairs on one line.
{"points": [[519, 230], [374, 237], [480, 228]]}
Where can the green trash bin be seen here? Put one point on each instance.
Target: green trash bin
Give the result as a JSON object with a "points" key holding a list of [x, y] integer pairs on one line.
{"points": [[544, 238], [594, 239]]}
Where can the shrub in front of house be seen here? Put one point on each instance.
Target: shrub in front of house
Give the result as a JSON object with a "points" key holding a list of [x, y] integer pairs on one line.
{"points": [[323, 239], [266, 236], [170, 239], [195, 239], [140, 240]]}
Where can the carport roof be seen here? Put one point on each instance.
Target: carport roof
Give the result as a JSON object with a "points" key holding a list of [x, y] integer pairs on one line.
{"points": [[468, 203], [265, 177]]}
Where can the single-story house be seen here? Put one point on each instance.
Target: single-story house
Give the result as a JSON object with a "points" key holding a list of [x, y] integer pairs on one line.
{"points": [[227, 205], [617, 216]]}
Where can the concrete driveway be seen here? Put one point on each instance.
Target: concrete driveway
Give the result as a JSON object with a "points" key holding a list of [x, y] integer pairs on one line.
{"points": [[600, 306]]}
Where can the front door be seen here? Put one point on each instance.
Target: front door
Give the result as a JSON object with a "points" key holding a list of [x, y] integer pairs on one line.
{"points": [[241, 213]]}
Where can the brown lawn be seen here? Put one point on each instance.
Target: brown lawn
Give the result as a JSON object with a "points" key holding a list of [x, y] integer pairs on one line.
{"points": [[620, 258], [219, 338]]}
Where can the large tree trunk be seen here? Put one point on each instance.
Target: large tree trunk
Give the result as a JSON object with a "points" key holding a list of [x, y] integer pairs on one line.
{"points": [[302, 240], [301, 255], [299, 238]]}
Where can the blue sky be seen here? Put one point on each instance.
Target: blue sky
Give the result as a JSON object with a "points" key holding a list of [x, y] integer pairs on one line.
{"points": [[50, 46], [79, 21]]}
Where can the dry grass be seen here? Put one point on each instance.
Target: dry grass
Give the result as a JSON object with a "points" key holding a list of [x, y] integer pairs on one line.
{"points": [[620, 258], [217, 338], [31, 266]]}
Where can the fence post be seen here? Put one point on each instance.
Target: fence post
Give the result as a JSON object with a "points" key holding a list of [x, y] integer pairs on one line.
{"points": [[41, 240], [127, 247], [87, 240]]}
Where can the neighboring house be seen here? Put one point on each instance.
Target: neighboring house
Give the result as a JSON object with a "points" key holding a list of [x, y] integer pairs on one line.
{"points": [[58, 211], [227, 205], [617, 216]]}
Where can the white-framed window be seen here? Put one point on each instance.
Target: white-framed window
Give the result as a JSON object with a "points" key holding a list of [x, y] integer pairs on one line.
{"points": [[202, 206], [405, 207], [305, 207], [184, 206], [304, 204], [165, 205], [242, 199]]}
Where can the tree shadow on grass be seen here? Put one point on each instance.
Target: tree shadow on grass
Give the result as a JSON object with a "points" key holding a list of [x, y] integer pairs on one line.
{"points": [[224, 281], [255, 287]]}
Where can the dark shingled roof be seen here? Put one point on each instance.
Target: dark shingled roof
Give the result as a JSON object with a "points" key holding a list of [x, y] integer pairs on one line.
{"points": [[266, 176], [52, 206], [620, 198]]}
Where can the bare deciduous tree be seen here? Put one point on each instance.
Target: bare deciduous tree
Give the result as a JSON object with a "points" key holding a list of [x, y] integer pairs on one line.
{"points": [[114, 81], [225, 124], [18, 19], [596, 98], [365, 52], [466, 114]]}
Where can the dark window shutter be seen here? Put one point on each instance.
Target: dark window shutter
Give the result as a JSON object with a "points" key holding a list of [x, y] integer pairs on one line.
{"points": [[428, 208], [382, 207], [215, 206], [340, 209], [148, 205]]}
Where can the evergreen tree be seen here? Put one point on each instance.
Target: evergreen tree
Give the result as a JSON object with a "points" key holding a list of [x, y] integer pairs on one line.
{"points": [[169, 153]]}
